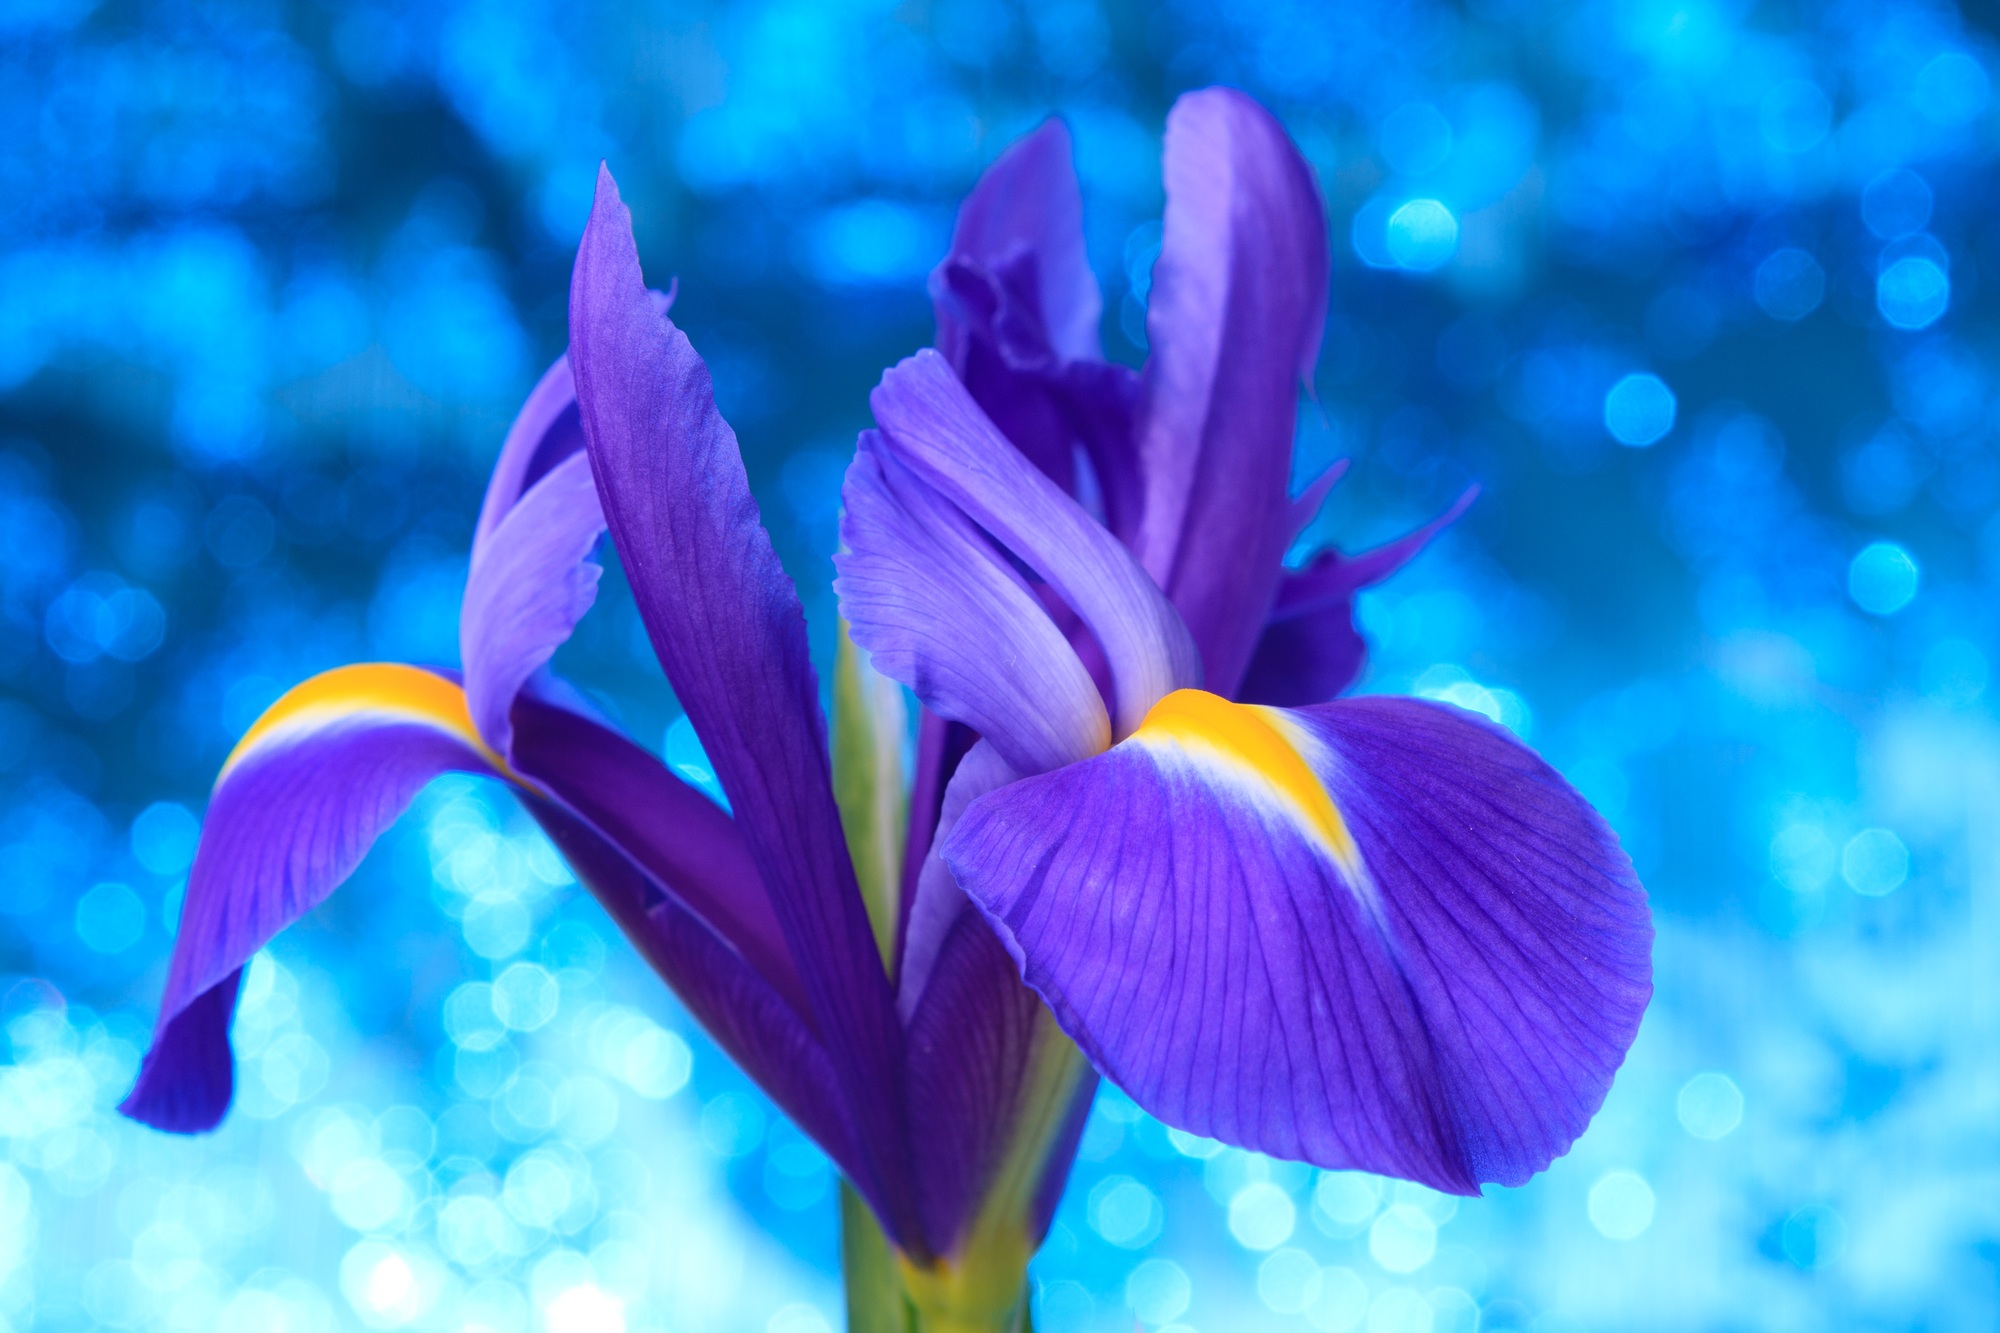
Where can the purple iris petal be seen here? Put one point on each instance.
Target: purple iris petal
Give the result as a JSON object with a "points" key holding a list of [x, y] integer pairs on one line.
{"points": [[672, 832], [726, 624], [307, 793], [1310, 651], [1378, 933], [531, 581], [1028, 203], [932, 426], [971, 1043], [1016, 300], [759, 1028], [1236, 312], [937, 901], [545, 431], [940, 609]]}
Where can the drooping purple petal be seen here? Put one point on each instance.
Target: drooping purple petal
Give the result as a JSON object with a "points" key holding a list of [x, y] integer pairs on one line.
{"points": [[673, 833], [1310, 651], [306, 792], [760, 1029], [933, 427], [530, 583], [940, 609], [729, 631], [1237, 307], [1377, 934]]}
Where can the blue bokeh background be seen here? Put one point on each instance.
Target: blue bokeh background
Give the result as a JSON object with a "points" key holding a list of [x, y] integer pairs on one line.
{"points": [[1694, 288]]}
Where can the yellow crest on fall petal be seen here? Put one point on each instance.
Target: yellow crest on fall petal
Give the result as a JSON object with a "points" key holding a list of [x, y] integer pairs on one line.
{"points": [[1257, 747], [385, 690]]}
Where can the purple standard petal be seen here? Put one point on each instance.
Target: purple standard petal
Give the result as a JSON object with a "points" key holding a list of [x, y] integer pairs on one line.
{"points": [[940, 609], [1237, 308], [1376, 934], [300, 800], [933, 427], [531, 581], [1016, 300], [1310, 651], [726, 624], [1025, 217]]}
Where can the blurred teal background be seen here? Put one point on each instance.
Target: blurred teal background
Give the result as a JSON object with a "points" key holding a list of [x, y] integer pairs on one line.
{"points": [[1694, 288]]}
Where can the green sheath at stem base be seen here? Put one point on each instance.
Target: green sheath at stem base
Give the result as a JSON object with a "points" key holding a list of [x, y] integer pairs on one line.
{"points": [[879, 1294]]}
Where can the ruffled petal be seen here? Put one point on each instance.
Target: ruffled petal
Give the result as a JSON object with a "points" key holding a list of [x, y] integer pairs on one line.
{"points": [[529, 586], [932, 426], [300, 800], [1025, 218], [938, 608], [727, 626], [1237, 309], [1310, 651], [1376, 934], [1016, 300]]}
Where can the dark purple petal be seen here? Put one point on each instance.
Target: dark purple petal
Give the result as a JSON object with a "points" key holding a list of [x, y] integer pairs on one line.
{"points": [[747, 1017], [937, 902], [933, 427], [940, 609], [1310, 650], [1377, 934], [994, 1088], [672, 832], [941, 747], [1237, 307], [530, 583], [305, 794], [727, 626]]}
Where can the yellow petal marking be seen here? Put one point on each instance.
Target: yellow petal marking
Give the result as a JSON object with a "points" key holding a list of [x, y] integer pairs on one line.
{"points": [[1261, 746], [390, 690]]}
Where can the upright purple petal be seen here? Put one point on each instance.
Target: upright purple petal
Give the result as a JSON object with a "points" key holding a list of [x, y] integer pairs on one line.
{"points": [[933, 427], [1310, 651], [1237, 308], [727, 626], [1026, 215], [530, 582], [301, 799], [1016, 300], [940, 609], [1377, 934]]}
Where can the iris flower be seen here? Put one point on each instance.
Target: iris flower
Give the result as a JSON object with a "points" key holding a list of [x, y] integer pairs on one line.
{"points": [[1140, 842]]}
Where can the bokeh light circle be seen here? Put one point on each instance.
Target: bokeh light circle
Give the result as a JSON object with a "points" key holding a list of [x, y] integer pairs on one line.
{"points": [[1913, 292], [1422, 235], [1639, 410], [1882, 579]]}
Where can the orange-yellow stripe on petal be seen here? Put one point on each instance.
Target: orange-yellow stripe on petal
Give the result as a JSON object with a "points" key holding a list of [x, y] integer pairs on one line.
{"points": [[1261, 746], [384, 690]]}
